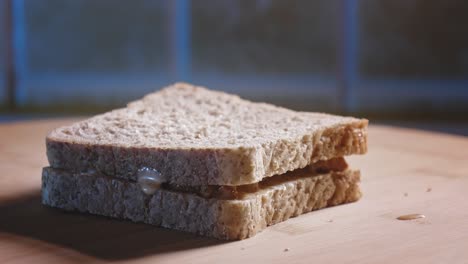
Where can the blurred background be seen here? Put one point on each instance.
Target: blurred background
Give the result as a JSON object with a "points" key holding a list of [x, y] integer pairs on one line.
{"points": [[399, 62]]}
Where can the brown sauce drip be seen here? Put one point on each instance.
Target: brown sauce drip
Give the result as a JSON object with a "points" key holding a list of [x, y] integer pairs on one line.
{"points": [[239, 192], [411, 216]]}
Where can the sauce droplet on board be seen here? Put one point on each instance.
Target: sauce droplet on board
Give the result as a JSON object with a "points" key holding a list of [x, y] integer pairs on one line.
{"points": [[411, 216], [149, 180]]}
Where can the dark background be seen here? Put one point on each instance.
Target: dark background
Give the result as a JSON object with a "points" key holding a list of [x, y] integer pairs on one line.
{"points": [[402, 62]]}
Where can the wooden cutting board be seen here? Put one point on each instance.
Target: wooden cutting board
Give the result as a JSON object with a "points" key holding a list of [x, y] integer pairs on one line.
{"points": [[405, 172]]}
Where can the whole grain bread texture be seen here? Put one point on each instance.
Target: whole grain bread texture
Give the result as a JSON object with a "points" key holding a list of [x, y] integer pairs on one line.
{"points": [[223, 219], [196, 136]]}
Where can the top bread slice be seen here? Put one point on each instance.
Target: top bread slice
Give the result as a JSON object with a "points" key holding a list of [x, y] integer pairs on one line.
{"points": [[196, 136]]}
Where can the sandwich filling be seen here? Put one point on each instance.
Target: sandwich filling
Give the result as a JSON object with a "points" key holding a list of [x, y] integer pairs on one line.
{"points": [[150, 181]]}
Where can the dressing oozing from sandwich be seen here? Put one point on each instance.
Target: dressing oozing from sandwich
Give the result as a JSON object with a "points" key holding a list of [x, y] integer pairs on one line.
{"points": [[205, 162], [150, 181]]}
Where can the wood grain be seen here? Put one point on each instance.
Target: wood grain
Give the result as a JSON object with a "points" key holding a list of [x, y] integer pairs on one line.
{"points": [[405, 172]]}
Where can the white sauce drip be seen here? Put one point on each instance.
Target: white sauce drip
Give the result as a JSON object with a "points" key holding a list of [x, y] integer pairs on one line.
{"points": [[149, 180]]}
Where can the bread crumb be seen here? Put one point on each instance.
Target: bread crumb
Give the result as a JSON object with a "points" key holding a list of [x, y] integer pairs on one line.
{"points": [[405, 194], [429, 189], [242, 248], [330, 221], [286, 249]]}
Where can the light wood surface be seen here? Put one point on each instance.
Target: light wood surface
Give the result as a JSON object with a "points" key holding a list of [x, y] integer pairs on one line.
{"points": [[405, 172]]}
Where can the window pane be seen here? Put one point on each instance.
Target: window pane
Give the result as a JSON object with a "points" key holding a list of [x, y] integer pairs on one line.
{"points": [[2, 52], [107, 51], [414, 39], [264, 36], [88, 35]]}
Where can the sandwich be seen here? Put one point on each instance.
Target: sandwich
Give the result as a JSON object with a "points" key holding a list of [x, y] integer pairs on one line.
{"points": [[203, 161]]}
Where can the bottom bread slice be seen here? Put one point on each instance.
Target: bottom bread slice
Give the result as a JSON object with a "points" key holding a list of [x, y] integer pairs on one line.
{"points": [[223, 219]]}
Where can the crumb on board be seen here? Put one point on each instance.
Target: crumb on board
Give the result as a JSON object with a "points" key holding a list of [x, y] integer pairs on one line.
{"points": [[330, 220], [405, 194], [286, 249], [242, 248], [429, 189]]}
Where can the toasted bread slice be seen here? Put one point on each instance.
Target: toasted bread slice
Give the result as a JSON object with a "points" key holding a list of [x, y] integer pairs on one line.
{"points": [[195, 136], [293, 194]]}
